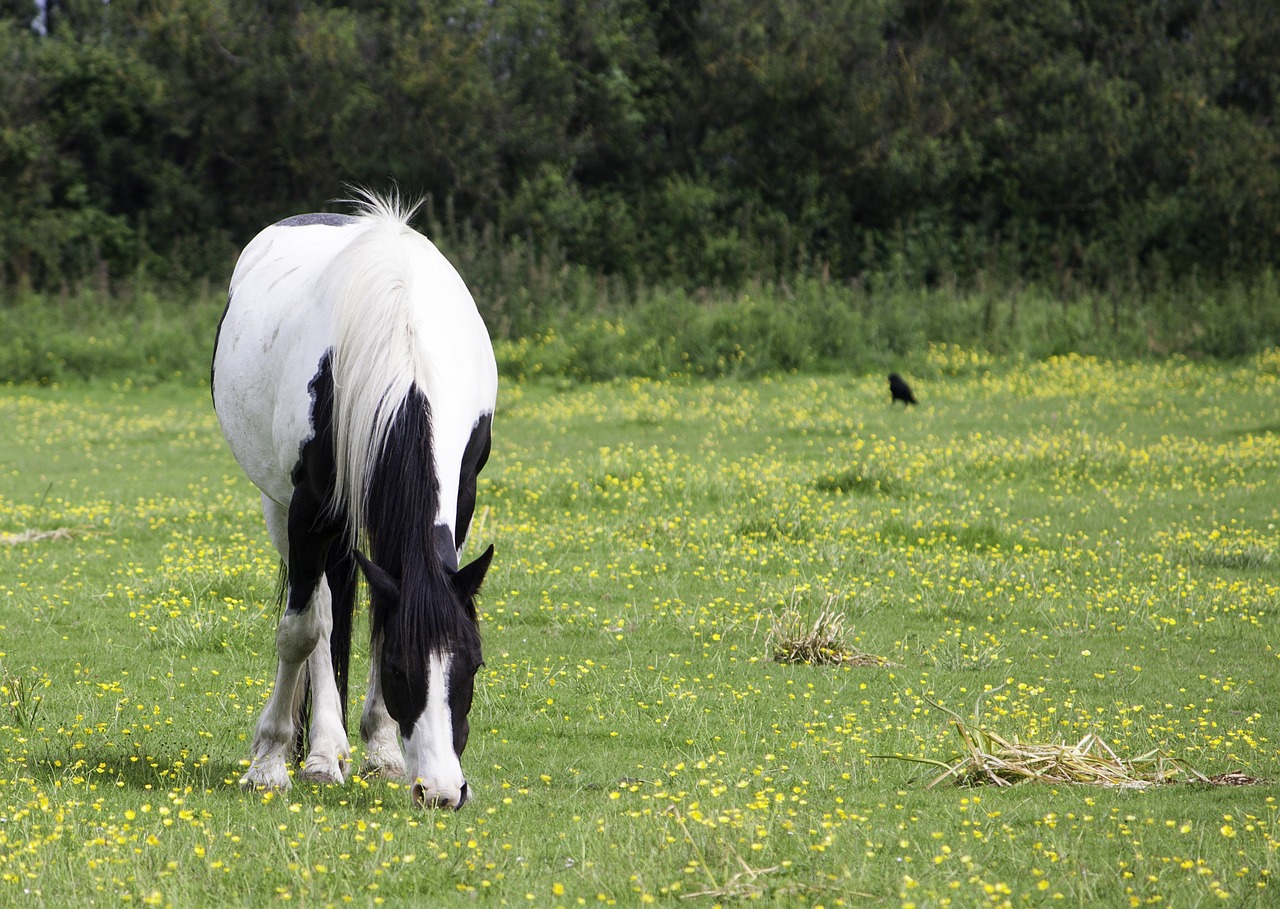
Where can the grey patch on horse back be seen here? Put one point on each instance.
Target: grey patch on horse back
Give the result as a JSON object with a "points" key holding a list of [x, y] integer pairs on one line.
{"points": [[323, 218], [446, 548]]}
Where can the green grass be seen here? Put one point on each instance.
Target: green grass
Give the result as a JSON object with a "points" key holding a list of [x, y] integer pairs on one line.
{"points": [[1051, 549]]}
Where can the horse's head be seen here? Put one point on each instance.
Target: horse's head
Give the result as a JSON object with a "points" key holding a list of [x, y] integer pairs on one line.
{"points": [[429, 655]]}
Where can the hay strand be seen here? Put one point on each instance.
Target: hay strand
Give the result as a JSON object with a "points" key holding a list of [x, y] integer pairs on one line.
{"points": [[35, 536]]}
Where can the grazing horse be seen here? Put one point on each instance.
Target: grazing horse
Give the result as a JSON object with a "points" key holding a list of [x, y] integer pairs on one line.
{"points": [[355, 383]]}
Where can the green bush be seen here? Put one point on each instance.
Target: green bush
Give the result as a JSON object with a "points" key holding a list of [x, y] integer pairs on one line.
{"points": [[46, 339]]}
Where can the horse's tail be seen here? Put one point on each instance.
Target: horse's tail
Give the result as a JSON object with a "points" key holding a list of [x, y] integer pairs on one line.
{"points": [[376, 357]]}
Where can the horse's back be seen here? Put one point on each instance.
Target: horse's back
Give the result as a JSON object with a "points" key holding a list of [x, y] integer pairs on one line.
{"points": [[270, 342]]}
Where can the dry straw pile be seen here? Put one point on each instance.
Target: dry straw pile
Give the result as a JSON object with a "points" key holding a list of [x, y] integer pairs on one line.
{"points": [[990, 760]]}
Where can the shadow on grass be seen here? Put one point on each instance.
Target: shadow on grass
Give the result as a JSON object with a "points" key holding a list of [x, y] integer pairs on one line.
{"points": [[1267, 429], [133, 770]]}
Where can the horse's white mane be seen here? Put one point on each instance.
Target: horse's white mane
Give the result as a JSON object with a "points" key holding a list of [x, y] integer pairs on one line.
{"points": [[377, 355]]}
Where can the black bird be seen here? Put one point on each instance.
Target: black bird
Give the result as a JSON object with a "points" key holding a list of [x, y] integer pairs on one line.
{"points": [[900, 391]]}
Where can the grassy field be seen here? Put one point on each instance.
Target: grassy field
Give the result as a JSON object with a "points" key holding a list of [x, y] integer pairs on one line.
{"points": [[1045, 550]]}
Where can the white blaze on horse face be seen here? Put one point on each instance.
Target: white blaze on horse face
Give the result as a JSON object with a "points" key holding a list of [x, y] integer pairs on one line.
{"points": [[433, 767]]}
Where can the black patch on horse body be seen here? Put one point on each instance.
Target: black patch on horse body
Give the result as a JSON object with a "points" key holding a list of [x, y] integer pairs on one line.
{"points": [[315, 452], [474, 458], [322, 218]]}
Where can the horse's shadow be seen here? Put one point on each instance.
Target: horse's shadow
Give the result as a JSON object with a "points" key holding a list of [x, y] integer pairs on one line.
{"points": [[131, 770], [169, 772]]}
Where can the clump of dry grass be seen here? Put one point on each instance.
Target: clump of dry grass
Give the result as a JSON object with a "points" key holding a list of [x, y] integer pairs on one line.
{"points": [[821, 642], [988, 759]]}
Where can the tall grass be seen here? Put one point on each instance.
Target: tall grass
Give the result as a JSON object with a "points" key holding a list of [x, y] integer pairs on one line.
{"points": [[553, 318], [146, 336]]}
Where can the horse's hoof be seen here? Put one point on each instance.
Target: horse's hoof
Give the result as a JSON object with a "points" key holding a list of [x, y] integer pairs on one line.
{"points": [[250, 784], [324, 771], [259, 779], [371, 770]]}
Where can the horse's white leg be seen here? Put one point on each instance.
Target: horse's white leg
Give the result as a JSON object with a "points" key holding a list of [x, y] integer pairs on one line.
{"points": [[273, 737], [383, 755], [277, 518], [296, 638], [330, 752], [302, 640]]}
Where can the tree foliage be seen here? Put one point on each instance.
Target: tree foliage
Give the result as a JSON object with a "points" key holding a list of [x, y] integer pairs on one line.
{"points": [[1078, 143]]}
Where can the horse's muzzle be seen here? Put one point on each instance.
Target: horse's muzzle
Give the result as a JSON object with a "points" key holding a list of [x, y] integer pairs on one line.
{"points": [[422, 799]]}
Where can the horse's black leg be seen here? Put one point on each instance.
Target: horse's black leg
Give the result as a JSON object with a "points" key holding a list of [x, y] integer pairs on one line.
{"points": [[341, 574], [302, 640]]}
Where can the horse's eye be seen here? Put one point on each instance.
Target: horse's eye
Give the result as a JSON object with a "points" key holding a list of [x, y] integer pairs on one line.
{"points": [[394, 673]]}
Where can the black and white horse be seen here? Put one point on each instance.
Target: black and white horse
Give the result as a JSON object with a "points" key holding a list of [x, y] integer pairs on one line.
{"points": [[355, 383]]}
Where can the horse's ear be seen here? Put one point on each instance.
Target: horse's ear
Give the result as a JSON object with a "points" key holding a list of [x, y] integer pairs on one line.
{"points": [[468, 578], [382, 585]]}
